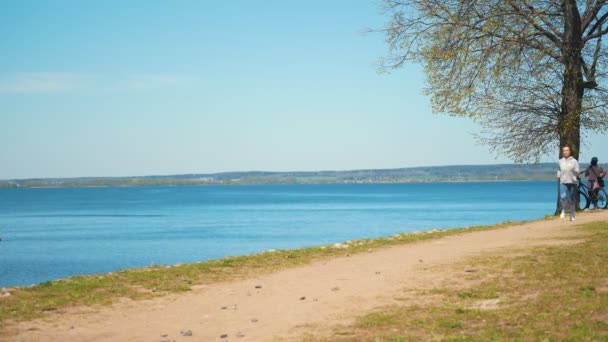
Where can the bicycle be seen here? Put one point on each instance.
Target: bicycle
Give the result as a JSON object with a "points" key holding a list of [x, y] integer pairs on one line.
{"points": [[586, 197]]}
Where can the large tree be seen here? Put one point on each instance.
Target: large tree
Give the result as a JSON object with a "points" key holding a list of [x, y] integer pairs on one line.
{"points": [[530, 72]]}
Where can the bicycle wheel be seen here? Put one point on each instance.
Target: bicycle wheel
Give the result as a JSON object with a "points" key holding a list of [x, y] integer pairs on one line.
{"points": [[584, 201], [602, 199]]}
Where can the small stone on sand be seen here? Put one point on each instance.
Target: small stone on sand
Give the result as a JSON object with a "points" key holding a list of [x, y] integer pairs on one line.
{"points": [[302, 298], [186, 332]]}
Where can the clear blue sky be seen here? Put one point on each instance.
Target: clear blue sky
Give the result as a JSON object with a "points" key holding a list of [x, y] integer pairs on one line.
{"points": [[118, 88]]}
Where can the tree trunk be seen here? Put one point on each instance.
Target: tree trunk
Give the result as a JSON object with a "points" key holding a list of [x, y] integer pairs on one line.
{"points": [[558, 205], [573, 87]]}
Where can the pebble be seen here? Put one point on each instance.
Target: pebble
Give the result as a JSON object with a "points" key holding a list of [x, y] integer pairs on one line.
{"points": [[302, 298], [420, 260], [336, 288], [378, 272], [315, 299], [470, 270], [224, 307], [254, 320], [240, 334], [186, 332], [224, 336], [258, 286]]}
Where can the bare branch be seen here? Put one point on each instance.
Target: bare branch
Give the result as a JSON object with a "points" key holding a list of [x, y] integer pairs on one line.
{"points": [[591, 12], [598, 24]]}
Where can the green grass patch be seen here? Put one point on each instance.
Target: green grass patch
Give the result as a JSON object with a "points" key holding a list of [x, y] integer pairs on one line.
{"points": [[557, 293], [379, 319], [27, 303]]}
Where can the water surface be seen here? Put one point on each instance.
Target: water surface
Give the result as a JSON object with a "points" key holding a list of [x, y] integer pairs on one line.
{"points": [[52, 233]]}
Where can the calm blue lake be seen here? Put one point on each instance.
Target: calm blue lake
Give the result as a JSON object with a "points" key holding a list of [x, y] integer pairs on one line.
{"points": [[59, 232]]}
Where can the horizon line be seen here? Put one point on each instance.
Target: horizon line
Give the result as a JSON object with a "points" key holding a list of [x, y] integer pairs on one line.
{"points": [[267, 171]]}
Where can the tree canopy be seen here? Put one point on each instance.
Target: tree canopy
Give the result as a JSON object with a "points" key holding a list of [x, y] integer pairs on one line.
{"points": [[530, 72]]}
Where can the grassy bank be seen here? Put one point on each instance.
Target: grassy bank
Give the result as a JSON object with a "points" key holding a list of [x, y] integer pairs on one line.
{"points": [[557, 293], [102, 289]]}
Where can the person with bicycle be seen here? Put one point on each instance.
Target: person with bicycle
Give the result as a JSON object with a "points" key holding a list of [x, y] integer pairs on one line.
{"points": [[595, 181], [568, 178]]}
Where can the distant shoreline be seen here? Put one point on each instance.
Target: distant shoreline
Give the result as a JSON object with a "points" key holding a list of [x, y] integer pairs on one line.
{"points": [[427, 174], [294, 183]]}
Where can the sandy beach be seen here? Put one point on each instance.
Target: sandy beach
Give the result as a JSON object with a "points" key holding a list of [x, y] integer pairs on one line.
{"points": [[302, 301]]}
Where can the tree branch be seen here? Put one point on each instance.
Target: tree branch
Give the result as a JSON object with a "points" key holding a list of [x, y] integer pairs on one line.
{"points": [[551, 36], [598, 23], [591, 13]]}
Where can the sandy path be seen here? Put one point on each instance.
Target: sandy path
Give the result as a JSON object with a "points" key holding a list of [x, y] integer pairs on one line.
{"points": [[335, 291]]}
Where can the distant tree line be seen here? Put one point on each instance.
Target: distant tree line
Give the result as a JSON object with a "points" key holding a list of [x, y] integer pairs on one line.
{"points": [[543, 171]]}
